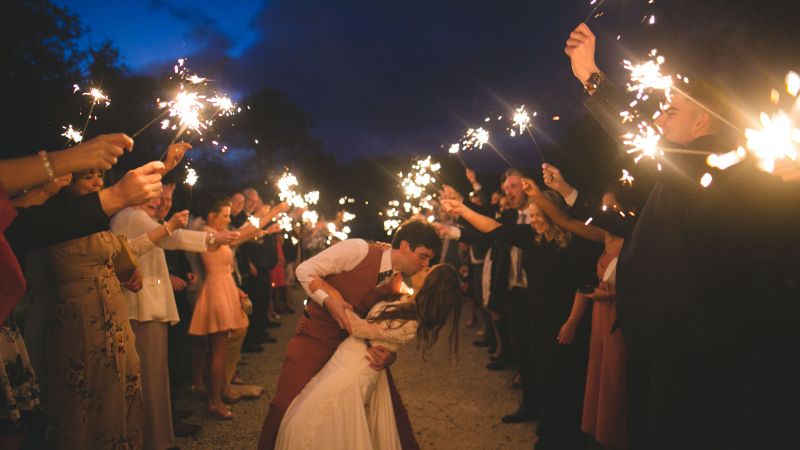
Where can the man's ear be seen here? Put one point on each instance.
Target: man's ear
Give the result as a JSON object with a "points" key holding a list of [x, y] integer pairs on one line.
{"points": [[405, 246], [704, 122]]}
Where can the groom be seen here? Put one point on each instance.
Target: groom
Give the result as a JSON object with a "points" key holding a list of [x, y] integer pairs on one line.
{"points": [[364, 273]]}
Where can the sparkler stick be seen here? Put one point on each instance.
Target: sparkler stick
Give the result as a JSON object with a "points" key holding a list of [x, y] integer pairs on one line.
{"points": [[591, 14], [97, 96], [147, 125], [500, 155]]}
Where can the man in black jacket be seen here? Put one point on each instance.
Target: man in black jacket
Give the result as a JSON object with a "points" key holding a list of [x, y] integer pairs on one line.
{"points": [[691, 305]]}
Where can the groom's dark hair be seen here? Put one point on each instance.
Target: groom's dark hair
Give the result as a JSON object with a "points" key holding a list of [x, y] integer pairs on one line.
{"points": [[417, 232]]}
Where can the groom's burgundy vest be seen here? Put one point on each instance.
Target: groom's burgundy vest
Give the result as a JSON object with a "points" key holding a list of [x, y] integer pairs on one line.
{"points": [[357, 286]]}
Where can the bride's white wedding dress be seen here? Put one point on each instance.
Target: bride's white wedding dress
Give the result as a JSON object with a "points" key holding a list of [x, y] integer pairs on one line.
{"points": [[347, 405]]}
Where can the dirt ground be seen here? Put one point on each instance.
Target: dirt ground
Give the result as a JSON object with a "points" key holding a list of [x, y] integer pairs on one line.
{"points": [[452, 406]]}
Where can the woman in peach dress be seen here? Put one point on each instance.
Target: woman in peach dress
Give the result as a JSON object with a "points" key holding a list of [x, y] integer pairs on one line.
{"points": [[217, 311]]}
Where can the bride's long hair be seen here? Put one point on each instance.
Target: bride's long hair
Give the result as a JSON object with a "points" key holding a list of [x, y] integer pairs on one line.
{"points": [[438, 299]]}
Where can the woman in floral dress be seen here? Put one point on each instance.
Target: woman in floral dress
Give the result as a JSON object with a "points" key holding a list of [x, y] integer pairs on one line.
{"points": [[95, 394]]}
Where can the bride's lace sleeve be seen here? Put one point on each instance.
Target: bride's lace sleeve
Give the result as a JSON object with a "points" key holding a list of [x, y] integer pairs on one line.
{"points": [[140, 244], [383, 330]]}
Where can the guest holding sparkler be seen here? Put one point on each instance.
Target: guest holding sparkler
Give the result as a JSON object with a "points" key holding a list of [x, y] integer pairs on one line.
{"points": [[553, 268], [687, 288]]}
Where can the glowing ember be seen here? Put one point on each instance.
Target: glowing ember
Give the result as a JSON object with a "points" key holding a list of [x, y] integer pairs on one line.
{"points": [[191, 177], [72, 134]]}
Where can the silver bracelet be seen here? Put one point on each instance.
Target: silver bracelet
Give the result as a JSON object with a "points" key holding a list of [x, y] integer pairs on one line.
{"points": [[47, 166]]}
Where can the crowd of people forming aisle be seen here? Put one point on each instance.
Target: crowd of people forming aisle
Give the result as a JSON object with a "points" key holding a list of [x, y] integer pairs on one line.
{"points": [[655, 314]]}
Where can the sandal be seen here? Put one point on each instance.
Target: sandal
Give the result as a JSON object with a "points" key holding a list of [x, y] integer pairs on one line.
{"points": [[220, 412], [230, 396]]}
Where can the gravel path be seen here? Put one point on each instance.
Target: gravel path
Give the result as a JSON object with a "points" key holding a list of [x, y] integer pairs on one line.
{"points": [[454, 406]]}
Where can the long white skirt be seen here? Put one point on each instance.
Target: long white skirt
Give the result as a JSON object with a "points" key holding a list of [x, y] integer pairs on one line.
{"points": [[346, 406]]}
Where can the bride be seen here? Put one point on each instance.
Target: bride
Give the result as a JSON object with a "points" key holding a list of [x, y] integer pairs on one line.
{"points": [[347, 404]]}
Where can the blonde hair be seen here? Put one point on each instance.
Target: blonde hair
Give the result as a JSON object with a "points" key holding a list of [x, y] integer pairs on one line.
{"points": [[557, 234]]}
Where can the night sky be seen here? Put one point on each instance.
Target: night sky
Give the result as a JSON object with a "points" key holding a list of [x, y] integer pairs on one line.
{"points": [[409, 77], [377, 77]]}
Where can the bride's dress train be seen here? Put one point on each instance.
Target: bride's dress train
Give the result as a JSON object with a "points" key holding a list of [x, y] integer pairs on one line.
{"points": [[347, 405]]}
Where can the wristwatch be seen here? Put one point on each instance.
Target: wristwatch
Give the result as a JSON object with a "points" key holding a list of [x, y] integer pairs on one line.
{"points": [[212, 239], [594, 82]]}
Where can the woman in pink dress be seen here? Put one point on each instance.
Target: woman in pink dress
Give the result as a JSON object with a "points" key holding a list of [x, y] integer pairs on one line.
{"points": [[217, 311]]}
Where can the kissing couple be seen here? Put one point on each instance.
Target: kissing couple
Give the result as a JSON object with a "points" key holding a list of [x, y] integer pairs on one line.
{"points": [[335, 389]]}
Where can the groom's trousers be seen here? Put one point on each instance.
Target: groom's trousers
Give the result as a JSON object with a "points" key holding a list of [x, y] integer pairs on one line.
{"points": [[304, 357]]}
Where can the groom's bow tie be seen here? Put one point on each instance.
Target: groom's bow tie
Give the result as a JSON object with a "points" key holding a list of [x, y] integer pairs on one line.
{"points": [[384, 277]]}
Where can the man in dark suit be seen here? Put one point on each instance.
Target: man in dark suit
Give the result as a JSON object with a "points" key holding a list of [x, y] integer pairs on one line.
{"points": [[695, 305]]}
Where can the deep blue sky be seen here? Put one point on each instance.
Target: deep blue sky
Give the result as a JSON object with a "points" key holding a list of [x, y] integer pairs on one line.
{"points": [[377, 77]]}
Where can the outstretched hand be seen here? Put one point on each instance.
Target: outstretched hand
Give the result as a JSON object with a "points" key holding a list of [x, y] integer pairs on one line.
{"points": [[452, 206], [530, 187], [175, 154], [581, 48]]}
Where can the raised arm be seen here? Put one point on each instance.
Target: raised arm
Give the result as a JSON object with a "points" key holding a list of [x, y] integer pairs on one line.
{"points": [[560, 217], [101, 152], [482, 223]]}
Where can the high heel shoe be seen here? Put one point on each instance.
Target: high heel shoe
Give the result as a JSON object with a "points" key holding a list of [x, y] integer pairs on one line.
{"points": [[219, 411]]}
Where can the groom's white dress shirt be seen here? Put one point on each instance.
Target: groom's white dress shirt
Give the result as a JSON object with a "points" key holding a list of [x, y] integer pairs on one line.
{"points": [[342, 257]]}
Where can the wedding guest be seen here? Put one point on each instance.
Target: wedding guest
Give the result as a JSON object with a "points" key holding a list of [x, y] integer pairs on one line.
{"points": [[605, 412], [218, 311], [96, 398], [153, 308], [553, 269]]}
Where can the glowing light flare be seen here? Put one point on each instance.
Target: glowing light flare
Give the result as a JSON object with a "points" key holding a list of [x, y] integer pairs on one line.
{"points": [[521, 118], [97, 96], [647, 77], [191, 177], [254, 221], [777, 139], [792, 83], [347, 217], [705, 180], [725, 160], [72, 134], [644, 143], [224, 105], [626, 179]]}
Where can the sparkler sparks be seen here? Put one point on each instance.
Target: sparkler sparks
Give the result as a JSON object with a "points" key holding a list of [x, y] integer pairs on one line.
{"points": [[644, 143], [626, 179], [647, 77], [72, 134], [474, 138], [191, 176], [777, 139], [521, 119], [97, 96]]}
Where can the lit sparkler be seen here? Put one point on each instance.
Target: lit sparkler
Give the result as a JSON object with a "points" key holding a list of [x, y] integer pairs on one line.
{"points": [[98, 96], [191, 177], [72, 134], [777, 139], [626, 179], [647, 77], [521, 119], [644, 143]]}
